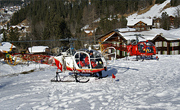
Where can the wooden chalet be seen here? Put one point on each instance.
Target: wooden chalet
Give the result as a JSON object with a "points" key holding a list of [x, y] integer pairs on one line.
{"points": [[140, 24], [166, 45], [115, 39]]}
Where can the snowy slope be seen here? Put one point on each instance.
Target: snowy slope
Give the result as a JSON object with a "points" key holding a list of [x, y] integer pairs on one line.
{"points": [[156, 11], [148, 85]]}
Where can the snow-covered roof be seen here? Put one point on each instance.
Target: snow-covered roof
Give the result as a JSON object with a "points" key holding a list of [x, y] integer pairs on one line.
{"points": [[19, 27], [132, 22], [130, 34], [88, 31], [109, 37], [97, 20], [10, 12], [5, 46], [37, 49], [85, 27], [126, 29], [150, 35], [173, 34]]}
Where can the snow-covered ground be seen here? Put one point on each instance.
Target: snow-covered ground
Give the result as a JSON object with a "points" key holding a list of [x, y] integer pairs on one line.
{"points": [[147, 85]]}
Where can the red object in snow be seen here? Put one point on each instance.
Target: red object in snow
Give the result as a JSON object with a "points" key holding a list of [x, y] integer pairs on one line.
{"points": [[113, 76]]}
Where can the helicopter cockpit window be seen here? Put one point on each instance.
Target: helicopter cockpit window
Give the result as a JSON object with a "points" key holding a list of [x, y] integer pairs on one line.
{"points": [[79, 57], [141, 47], [95, 59], [149, 48], [145, 47], [89, 60]]}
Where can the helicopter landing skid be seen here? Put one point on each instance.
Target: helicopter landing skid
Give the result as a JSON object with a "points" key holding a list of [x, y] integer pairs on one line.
{"points": [[58, 79], [142, 58]]}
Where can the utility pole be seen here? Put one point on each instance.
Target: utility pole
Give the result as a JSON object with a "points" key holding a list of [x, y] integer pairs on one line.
{"points": [[31, 44]]}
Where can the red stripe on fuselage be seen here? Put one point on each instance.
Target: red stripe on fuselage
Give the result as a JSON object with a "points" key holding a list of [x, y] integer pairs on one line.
{"points": [[85, 70]]}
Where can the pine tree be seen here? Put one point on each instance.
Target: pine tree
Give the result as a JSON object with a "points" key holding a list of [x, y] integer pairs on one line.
{"points": [[175, 2], [4, 35], [123, 22], [14, 36], [159, 1], [177, 22], [165, 21]]}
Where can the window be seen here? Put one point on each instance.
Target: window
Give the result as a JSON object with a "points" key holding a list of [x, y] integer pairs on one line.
{"points": [[123, 44], [114, 43], [174, 52], [174, 44], [164, 44], [138, 29], [158, 44], [118, 52], [124, 53], [118, 44], [165, 52]]}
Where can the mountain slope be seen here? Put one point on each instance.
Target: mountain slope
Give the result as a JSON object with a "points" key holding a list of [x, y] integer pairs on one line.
{"points": [[156, 11]]}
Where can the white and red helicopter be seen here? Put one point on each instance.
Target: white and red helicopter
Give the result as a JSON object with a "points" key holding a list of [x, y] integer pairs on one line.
{"points": [[84, 61]]}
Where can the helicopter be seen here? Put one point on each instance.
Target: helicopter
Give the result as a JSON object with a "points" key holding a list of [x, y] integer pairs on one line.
{"points": [[144, 49], [83, 61], [80, 63]]}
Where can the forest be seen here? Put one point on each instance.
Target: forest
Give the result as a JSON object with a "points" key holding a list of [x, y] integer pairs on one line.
{"points": [[58, 19]]}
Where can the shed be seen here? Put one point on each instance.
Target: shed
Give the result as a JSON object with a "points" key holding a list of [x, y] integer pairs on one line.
{"points": [[39, 50]]}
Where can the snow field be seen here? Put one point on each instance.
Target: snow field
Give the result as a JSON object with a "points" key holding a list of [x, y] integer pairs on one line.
{"points": [[147, 85]]}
